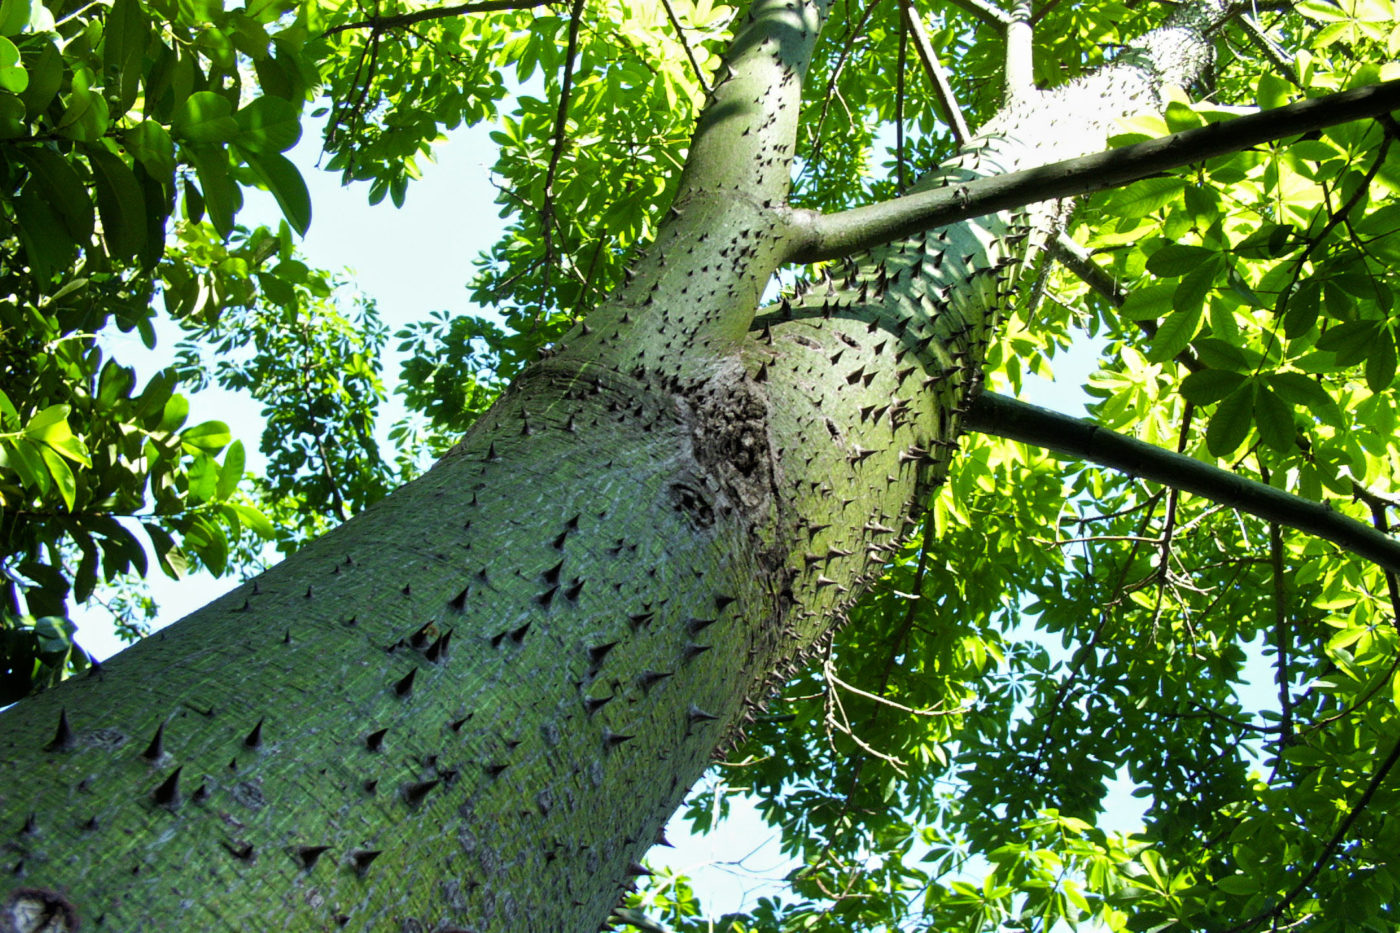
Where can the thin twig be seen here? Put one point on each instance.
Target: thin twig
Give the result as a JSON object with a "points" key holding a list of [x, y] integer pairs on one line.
{"points": [[680, 34], [831, 676], [1281, 632], [835, 76]]}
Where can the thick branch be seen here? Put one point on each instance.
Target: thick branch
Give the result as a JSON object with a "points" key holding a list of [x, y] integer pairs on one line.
{"points": [[988, 13], [381, 23], [832, 236], [1020, 55], [1029, 424]]}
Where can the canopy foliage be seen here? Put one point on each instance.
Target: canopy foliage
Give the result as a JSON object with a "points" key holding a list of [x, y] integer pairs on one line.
{"points": [[1058, 628]]}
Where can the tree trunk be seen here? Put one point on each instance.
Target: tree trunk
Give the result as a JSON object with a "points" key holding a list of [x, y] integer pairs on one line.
{"points": [[474, 705]]}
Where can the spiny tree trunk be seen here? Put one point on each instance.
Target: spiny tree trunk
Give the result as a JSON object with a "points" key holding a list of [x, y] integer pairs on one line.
{"points": [[474, 706]]}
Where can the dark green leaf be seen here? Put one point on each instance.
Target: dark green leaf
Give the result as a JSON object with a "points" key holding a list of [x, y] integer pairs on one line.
{"points": [[120, 203], [124, 48], [1178, 259], [1274, 419], [1380, 362], [1307, 394], [1351, 341], [1207, 386], [60, 187], [222, 199], [1229, 425], [45, 79]]}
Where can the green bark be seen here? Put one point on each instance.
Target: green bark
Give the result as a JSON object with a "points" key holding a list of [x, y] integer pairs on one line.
{"points": [[474, 705]]}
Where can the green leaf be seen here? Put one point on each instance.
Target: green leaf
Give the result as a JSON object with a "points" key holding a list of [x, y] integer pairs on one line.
{"points": [[287, 186], [1351, 341], [124, 48], [1274, 419], [203, 476], [13, 76], [49, 424], [173, 415], [1148, 302], [1272, 91], [268, 125], [231, 470], [1174, 334], [1303, 307], [209, 435], [45, 78], [85, 118], [1144, 197], [255, 520], [14, 16], [222, 199], [153, 148], [22, 456], [1191, 292], [205, 117], [63, 479], [47, 246], [1229, 425], [120, 203], [1207, 386], [1238, 884], [60, 187], [1175, 259], [1308, 394], [1380, 362]]}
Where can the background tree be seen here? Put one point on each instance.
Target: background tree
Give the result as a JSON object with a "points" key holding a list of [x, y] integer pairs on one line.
{"points": [[1267, 280]]}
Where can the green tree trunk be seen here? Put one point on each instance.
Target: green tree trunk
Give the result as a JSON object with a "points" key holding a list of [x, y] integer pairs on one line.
{"points": [[474, 705]]}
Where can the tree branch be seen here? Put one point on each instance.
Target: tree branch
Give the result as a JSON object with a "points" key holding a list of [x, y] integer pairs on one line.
{"points": [[1018, 421], [988, 13], [819, 237], [381, 23], [1276, 56], [942, 90]]}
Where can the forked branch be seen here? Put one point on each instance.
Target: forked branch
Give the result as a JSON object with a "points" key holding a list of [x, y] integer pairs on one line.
{"points": [[1018, 421], [819, 237]]}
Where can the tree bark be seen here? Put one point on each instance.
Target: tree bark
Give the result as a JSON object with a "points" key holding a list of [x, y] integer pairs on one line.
{"points": [[474, 705]]}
